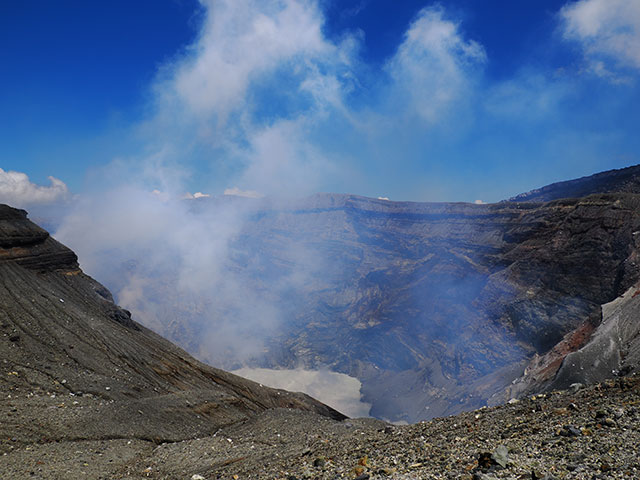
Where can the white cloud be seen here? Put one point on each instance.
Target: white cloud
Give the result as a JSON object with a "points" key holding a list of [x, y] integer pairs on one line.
{"points": [[260, 72], [433, 66], [262, 89], [18, 191], [608, 31], [194, 196], [236, 192], [243, 40]]}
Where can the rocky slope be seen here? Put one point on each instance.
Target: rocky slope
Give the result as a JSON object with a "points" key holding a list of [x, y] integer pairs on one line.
{"points": [[584, 433], [75, 367]]}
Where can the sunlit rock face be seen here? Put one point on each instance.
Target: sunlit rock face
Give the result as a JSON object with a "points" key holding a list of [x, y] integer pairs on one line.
{"points": [[435, 308]]}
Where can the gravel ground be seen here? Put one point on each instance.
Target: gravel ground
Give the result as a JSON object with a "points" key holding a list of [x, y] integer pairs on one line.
{"points": [[590, 433]]}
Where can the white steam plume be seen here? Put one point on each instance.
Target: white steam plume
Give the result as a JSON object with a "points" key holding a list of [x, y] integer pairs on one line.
{"points": [[174, 261], [433, 66]]}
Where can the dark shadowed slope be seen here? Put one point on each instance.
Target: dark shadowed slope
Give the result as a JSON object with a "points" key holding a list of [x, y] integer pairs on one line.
{"points": [[75, 366], [624, 180]]}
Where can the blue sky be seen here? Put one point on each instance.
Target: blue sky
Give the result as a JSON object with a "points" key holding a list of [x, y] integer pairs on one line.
{"points": [[457, 100]]}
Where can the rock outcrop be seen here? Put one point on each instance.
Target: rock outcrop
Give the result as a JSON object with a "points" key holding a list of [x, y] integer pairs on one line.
{"points": [[588, 355]]}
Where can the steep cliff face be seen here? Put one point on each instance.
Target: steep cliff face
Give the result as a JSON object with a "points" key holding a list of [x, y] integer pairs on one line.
{"points": [[436, 308], [79, 367]]}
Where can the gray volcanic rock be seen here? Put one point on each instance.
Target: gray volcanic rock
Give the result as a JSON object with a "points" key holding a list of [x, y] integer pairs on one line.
{"points": [[588, 354], [614, 348], [73, 365], [589, 433]]}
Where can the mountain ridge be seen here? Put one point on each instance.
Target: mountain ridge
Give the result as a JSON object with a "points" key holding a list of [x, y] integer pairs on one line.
{"points": [[622, 180]]}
